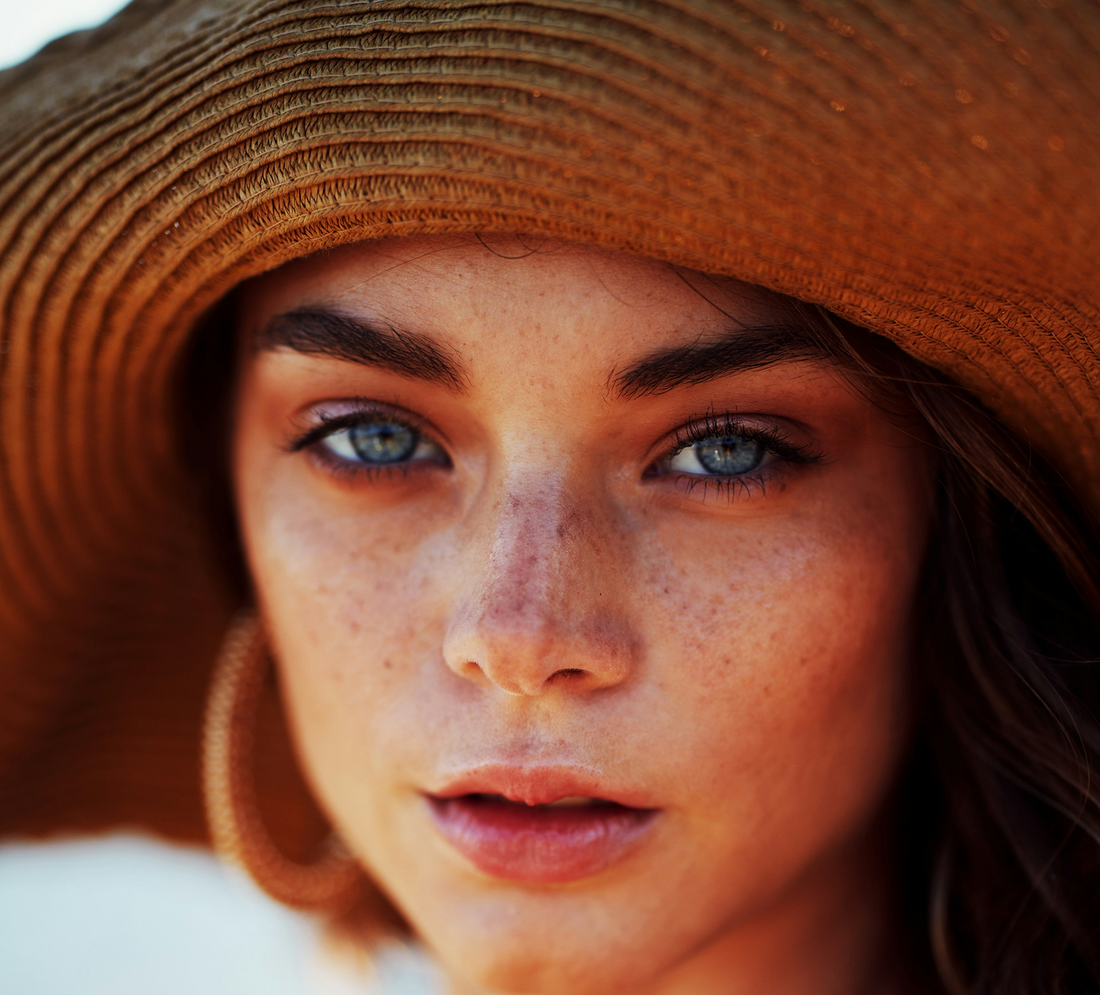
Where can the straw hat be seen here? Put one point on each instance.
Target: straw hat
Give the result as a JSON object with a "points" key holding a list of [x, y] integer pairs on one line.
{"points": [[926, 169]]}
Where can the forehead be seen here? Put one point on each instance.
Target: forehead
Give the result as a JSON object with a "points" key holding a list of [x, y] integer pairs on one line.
{"points": [[473, 314], [473, 287]]}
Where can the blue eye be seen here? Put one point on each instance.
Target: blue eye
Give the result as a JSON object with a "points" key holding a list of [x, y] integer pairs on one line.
{"points": [[722, 448], [378, 441], [726, 456], [382, 442]]}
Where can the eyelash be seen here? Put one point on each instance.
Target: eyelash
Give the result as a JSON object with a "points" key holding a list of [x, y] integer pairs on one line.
{"points": [[697, 429], [364, 411], [711, 425]]}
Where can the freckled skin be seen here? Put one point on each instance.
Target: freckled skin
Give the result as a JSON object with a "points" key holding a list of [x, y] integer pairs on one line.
{"points": [[743, 661]]}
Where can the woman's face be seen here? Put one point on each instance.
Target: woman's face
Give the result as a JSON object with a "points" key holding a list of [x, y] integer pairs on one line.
{"points": [[564, 525]]}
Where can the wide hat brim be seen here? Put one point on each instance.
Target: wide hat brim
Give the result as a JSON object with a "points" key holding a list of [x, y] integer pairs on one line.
{"points": [[926, 170]]}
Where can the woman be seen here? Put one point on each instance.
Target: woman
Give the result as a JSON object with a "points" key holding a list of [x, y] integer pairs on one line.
{"points": [[641, 623]]}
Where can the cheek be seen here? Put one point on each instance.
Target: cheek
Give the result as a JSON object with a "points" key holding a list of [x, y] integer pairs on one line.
{"points": [[351, 603], [330, 581], [788, 670]]}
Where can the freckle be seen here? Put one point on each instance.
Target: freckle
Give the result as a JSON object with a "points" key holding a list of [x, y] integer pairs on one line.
{"points": [[387, 664]]}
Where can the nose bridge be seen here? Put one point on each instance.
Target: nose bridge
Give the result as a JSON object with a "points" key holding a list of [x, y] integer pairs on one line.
{"points": [[536, 538], [539, 606]]}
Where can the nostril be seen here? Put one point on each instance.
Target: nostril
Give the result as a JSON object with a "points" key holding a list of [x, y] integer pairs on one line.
{"points": [[567, 672], [473, 670]]}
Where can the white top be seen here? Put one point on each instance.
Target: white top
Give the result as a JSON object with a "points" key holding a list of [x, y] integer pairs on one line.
{"points": [[127, 915]]}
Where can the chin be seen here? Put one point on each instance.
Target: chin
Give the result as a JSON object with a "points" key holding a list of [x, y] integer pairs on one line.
{"points": [[531, 959], [541, 970]]}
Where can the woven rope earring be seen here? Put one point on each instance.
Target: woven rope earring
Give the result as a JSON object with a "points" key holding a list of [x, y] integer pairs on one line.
{"points": [[332, 882]]}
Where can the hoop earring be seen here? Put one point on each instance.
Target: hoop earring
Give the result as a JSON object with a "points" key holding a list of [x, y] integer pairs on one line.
{"points": [[332, 882]]}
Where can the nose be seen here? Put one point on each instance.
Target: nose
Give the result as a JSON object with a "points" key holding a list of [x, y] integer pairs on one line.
{"points": [[542, 605]]}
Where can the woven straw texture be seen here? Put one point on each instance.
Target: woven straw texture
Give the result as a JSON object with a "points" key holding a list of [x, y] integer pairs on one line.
{"points": [[927, 169]]}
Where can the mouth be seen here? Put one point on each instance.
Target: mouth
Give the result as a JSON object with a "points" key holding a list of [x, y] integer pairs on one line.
{"points": [[554, 842]]}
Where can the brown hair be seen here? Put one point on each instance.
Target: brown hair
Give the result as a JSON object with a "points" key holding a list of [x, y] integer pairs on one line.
{"points": [[999, 819]]}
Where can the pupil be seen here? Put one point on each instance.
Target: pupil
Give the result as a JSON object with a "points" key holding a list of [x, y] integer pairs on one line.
{"points": [[382, 442], [729, 457]]}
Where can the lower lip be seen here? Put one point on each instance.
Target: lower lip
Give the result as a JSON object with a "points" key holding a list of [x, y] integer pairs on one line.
{"points": [[538, 844]]}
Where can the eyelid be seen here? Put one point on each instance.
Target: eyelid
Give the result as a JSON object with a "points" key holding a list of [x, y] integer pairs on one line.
{"points": [[768, 432], [771, 436], [357, 411], [786, 457]]}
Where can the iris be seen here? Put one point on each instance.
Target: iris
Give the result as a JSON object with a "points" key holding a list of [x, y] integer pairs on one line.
{"points": [[382, 441], [728, 456]]}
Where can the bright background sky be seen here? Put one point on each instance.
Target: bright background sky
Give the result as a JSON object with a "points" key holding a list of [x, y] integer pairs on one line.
{"points": [[29, 24]]}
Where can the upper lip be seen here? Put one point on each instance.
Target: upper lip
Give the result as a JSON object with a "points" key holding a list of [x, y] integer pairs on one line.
{"points": [[536, 784]]}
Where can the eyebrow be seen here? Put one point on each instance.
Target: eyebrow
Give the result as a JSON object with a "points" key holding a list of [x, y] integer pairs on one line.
{"points": [[325, 333], [419, 356], [753, 348]]}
